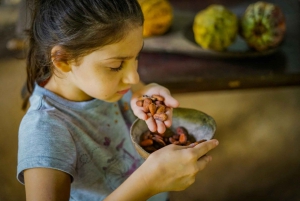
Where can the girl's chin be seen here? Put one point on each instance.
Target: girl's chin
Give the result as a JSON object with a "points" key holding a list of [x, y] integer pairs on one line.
{"points": [[115, 98]]}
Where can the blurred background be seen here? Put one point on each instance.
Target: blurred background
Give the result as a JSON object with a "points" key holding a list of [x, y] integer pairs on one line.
{"points": [[258, 129]]}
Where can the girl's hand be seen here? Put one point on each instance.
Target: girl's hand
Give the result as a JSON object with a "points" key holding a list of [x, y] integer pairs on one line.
{"points": [[170, 102], [174, 167]]}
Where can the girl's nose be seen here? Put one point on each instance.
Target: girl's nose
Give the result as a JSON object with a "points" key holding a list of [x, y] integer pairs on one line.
{"points": [[131, 75]]}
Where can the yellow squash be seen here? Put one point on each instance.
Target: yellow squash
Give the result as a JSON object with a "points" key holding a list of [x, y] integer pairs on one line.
{"points": [[158, 16], [215, 28]]}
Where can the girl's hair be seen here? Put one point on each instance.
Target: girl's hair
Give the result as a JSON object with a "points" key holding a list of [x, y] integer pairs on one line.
{"points": [[79, 27]]}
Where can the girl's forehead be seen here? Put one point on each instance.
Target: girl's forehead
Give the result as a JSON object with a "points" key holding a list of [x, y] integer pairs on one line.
{"points": [[129, 46]]}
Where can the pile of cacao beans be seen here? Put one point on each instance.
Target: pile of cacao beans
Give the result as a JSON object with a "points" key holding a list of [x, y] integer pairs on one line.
{"points": [[154, 105], [152, 141]]}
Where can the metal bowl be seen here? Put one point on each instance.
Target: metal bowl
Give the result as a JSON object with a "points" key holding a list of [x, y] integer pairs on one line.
{"points": [[198, 124]]}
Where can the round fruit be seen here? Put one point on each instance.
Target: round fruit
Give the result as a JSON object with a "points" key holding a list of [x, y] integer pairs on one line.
{"points": [[263, 26], [158, 16], [215, 28]]}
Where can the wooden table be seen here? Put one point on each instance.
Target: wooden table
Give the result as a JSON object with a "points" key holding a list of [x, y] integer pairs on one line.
{"points": [[183, 73]]}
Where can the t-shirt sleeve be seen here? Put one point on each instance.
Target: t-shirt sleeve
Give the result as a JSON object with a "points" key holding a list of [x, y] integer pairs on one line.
{"points": [[45, 142]]}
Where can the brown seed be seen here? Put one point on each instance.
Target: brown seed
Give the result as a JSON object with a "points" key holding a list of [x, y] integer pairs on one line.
{"points": [[139, 103], [147, 102], [176, 137], [181, 130], [160, 117], [171, 140], [146, 143], [160, 141], [145, 135], [166, 140], [158, 136], [158, 97], [152, 108], [161, 109], [158, 103], [182, 138], [150, 149]]}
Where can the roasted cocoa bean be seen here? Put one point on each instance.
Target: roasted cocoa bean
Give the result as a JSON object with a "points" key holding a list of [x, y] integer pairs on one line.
{"points": [[146, 135], [139, 103], [158, 103], [176, 136], [146, 142], [160, 117], [181, 130], [160, 141], [161, 109], [150, 149], [158, 97], [152, 108], [182, 138], [146, 103]]}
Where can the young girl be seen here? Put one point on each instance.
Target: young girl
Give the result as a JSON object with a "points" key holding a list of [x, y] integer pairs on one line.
{"points": [[74, 141]]}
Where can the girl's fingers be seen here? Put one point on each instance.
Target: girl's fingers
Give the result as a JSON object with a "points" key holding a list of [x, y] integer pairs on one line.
{"points": [[201, 149], [161, 128], [170, 101], [140, 114], [151, 123], [203, 161], [169, 113]]}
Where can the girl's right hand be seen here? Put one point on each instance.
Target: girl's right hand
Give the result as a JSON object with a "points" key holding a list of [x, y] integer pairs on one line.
{"points": [[174, 167]]}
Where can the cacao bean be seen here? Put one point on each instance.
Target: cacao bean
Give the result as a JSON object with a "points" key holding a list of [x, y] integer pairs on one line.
{"points": [[181, 130], [161, 109], [160, 117], [158, 97], [152, 108], [182, 138], [147, 102], [146, 142], [139, 103]]}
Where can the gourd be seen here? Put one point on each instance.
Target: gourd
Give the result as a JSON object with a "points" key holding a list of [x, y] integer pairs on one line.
{"points": [[263, 26], [215, 27], [158, 16]]}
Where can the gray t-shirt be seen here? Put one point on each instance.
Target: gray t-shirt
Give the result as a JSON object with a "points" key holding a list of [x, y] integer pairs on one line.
{"points": [[88, 140]]}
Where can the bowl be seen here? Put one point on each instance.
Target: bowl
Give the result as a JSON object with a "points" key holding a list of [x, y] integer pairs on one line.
{"points": [[198, 124]]}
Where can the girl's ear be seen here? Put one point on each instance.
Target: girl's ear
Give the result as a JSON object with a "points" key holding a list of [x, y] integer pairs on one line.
{"points": [[59, 59]]}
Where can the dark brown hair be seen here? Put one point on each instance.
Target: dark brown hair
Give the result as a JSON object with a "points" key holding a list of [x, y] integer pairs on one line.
{"points": [[79, 27]]}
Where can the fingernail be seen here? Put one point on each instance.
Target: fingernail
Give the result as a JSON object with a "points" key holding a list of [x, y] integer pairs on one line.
{"points": [[217, 142]]}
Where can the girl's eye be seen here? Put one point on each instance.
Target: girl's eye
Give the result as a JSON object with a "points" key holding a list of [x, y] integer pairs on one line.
{"points": [[117, 69]]}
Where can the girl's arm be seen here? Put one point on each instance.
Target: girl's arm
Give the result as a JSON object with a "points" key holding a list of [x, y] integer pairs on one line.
{"points": [[47, 184], [172, 168]]}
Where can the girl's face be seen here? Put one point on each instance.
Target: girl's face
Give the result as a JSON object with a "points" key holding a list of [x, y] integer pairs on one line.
{"points": [[108, 73]]}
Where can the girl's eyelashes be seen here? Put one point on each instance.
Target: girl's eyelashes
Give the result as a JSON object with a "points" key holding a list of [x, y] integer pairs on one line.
{"points": [[117, 69]]}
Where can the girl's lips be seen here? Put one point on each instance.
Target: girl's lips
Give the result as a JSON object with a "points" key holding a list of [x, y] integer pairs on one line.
{"points": [[123, 91]]}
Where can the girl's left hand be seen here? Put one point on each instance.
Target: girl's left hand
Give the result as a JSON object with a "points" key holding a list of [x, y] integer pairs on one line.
{"points": [[170, 102]]}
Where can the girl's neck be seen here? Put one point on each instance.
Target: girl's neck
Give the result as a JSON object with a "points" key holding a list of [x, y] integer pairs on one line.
{"points": [[65, 89]]}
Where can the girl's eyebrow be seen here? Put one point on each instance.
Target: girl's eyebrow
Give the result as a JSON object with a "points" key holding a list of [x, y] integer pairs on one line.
{"points": [[124, 58]]}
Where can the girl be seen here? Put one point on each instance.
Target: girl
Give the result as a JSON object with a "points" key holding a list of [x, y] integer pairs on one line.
{"points": [[74, 141]]}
